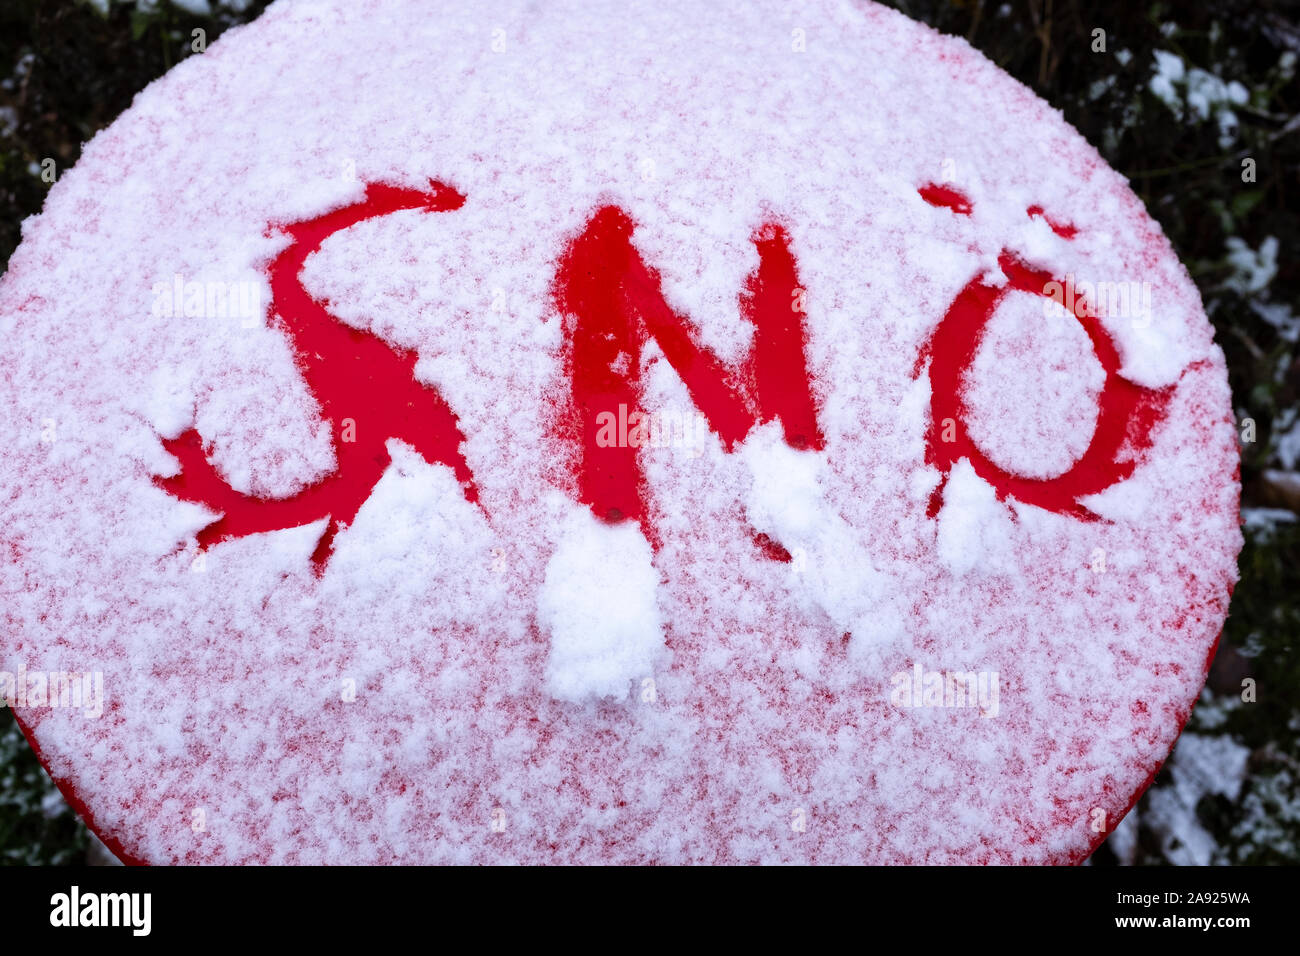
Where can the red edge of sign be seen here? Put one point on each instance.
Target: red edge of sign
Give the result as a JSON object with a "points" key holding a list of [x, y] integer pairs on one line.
{"points": [[116, 847]]}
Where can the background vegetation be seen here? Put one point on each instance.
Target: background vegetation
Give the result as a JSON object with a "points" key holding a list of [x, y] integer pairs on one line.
{"points": [[1179, 98]]}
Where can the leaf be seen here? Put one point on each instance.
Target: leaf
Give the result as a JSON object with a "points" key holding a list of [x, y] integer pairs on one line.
{"points": [[1244, 202]]}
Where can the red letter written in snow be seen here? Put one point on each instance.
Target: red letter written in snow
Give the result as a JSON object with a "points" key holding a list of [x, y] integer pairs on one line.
{"points": [[351, 374], [612, 303]]}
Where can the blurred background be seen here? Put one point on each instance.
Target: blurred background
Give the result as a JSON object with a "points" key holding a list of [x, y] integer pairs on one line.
{"points": [[1196, 104]]}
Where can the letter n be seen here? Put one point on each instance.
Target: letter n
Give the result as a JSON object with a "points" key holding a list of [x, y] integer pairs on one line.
{"points": [[612, 303]]}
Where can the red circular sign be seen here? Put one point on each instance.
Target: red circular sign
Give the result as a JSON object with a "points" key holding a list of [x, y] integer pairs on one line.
{"points": [[752, 436]]}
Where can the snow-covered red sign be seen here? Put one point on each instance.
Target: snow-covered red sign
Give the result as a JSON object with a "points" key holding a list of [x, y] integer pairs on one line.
{"points": [[748, 435]]}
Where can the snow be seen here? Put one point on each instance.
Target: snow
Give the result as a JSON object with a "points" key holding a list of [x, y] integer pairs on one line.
{"points": [[196, 7], [1199, 93], [1270, 815], [1286, 438], [598, 605], [1124, 838], [974, 528], [788, 501], [1033, 388], [1252, 269], [1265, 520], [1169, 72], [458, 658], [1202, 765], [1280, 315]]}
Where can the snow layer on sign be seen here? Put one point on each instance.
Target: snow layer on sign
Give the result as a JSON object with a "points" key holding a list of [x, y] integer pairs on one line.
{"points": [[831, 566], [501, 679], [1033, 387], [973, 526], [598, 605]]}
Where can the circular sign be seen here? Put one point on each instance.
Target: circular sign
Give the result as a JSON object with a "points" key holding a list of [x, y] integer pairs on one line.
{"points": [[658, 435]]}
